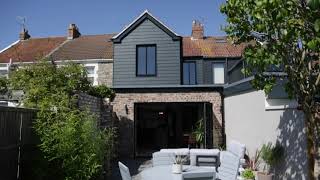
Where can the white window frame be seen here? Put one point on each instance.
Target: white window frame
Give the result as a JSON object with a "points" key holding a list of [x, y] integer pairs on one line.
{"points": [[280, 104], [213, 72], [6, 68], [95, 72]]}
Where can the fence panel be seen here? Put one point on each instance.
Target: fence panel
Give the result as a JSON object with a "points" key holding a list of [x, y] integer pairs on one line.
{"points": [[17, 140]]}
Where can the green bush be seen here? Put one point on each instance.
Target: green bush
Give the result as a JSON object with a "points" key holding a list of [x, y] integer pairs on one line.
{"points": [[271, 155], [3, 85], [102, 91], [248, 174], [72, 145]]}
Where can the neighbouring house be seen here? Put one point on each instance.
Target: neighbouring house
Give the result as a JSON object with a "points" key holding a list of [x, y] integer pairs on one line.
{"points": [[165, 83], [93, 51], [255, 118]]}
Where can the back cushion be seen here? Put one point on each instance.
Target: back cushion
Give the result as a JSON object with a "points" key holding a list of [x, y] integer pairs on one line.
{"points": [[163, 158], [228, 169], [236, 148]]}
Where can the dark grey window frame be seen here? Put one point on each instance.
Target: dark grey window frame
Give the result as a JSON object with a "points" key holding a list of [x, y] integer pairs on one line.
{"points": [[155, 63], [195, 72]]}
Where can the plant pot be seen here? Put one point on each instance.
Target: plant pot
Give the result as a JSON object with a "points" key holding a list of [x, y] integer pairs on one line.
{"points": [[177, 168], [264, 176]]}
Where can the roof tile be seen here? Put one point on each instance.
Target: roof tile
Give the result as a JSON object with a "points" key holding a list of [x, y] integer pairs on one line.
{"points": [[30, 49], [86, 47], [211, 47]]}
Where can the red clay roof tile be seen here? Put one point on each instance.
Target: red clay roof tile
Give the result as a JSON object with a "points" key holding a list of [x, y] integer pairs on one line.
{"points": [[30, 49], [211, 47], [86, 47], [101, 47]]}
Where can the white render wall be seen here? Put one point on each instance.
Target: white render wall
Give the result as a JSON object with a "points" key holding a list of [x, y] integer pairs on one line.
{"points": [[248, 121]]}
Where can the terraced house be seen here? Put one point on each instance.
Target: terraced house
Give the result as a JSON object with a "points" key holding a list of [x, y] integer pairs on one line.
{"points": [[165, 83]]}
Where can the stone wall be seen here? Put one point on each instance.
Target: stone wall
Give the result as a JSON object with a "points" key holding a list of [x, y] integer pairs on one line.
{"points": [[100, 108], [105, 71], [123, 107]]}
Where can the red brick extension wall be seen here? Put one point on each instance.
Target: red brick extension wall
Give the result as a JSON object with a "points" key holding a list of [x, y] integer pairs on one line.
{"points": [[126, 117]]}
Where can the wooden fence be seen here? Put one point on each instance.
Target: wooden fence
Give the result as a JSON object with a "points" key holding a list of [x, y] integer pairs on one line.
{"points": [[17, 142]]}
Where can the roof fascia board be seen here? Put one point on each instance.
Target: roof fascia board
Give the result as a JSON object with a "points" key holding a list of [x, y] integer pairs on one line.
{"points": [[145, 15], [14, 43]]}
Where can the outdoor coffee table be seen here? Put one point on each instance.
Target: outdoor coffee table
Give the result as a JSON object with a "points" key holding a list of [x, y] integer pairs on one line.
{"points": [[165, 173]]}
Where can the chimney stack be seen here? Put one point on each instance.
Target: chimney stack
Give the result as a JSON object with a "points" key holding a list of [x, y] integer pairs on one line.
{"points": [[24, 35], [73, 32], [197, 30]]}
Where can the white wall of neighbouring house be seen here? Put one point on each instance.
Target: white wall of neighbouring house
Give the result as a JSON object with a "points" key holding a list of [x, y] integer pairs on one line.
{"points": [[253, 119]]}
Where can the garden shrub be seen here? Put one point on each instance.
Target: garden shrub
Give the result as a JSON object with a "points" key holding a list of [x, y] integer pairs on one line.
{"points": [[102, 91], [70, 140], [3, 85]]}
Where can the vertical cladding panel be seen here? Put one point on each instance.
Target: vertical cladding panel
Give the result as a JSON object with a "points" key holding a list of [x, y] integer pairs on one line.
{"points": [[167, 57]]}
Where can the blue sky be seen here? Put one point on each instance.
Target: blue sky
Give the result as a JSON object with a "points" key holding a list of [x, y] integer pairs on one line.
{"points": [[51, 17]]}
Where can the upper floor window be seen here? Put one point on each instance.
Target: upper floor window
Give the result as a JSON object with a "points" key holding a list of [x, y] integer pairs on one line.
{"points": [[189, 73], [146, 60], [218, 73]]}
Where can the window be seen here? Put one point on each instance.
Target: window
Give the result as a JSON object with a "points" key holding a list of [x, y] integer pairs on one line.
{"points": [[189, 73], [218, 73], [146, 60], [92, 73], [3, 72]]}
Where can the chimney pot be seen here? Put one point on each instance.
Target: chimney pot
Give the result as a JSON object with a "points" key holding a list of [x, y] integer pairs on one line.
{"points": [[197, 30], [73, 31], [24, 35]]}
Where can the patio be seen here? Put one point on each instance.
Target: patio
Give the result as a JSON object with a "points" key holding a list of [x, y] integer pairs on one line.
{"points": [[135, 165], [184, 163]]}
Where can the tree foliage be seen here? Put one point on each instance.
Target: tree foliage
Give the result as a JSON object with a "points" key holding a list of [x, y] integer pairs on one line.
{"points": [[102, 91], [283, 36], [3, 85], [70, 140]]}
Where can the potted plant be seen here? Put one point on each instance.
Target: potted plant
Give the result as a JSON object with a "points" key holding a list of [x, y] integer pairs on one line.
{"points": [[253, 162], [198, 133], [178, 163], [271, 155], [247, 174]]}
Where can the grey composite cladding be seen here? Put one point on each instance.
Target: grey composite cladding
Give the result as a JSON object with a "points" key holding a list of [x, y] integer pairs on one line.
{"points": [[167, 57]]}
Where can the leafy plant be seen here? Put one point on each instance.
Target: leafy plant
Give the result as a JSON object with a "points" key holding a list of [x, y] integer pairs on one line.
{"points": [[179, 159], [271, 155], [248, 174], [253, 162], [102, 91], [199, 131], [281, 36], [71, 143], [3, 85]]}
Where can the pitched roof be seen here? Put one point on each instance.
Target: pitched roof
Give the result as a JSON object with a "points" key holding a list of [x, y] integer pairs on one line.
{"points": [[211, 47], [30, 49], [145, 15], [85, 47]]}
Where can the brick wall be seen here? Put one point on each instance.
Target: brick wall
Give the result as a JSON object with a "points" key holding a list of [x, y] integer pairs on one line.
{"points": [[105, 73], [125, 115]]}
